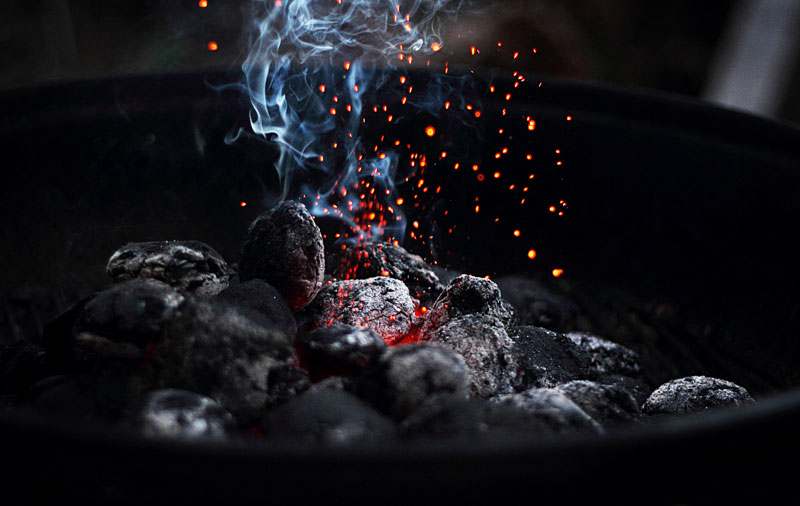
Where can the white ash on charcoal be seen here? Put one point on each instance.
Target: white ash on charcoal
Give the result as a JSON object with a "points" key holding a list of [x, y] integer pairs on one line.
{"points": [[338, 350], [472, 420], [328, 418], [467, 295], [405, 377], [695, 394], [284, 248], [180, 414], [608, 404], [222, 351], [487, 349], [536, 304], [190, 266], [607, 357], [381, 304], [384, 259], [547, 358], [284, 383], [553, 408], [260, 296]]}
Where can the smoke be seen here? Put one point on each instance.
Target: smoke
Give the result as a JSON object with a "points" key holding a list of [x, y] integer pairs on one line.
{"points": [[311, 68]]}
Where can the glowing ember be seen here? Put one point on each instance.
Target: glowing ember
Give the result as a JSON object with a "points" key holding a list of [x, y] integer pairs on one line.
{"points": [[430, 131], [213, 46], [557, 272]]}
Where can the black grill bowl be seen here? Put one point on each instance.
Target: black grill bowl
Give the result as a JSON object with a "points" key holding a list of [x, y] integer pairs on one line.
{"points": [[672, 200]]}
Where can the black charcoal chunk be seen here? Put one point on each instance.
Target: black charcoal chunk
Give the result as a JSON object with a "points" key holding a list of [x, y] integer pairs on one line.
{"points": [[638, 387], [467, 295], [338, 350], [384, 259], [608, 404], [486, 348], [381, 304], [181, 414], [284, 248], [471, 420], [329, 418], [405, 377], [695, 394], [606, 357], [259, 295], [191, 266], [536, 304], [221, 351], [547, 358], [553, 408], [134, 312], [284, 383]]}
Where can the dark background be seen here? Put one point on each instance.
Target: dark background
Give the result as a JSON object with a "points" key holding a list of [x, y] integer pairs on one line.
{"points": [[670, 46]]}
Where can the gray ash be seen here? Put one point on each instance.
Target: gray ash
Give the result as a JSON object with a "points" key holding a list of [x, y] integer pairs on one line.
{"points": [[468, 295], [381, 304], [487, 350], [190, 266], [284, 248], [383, 259], [694, 394]]}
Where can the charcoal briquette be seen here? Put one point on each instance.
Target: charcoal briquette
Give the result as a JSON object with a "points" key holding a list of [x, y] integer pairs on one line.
{"points": [[381, 304], [694, 394], [553, 408], [608, 404], [405, 377], [180, 414], [338, 350], [487, 349], [606, 357], [467, 295], [284, 248], [260, 296], [191, 266]]}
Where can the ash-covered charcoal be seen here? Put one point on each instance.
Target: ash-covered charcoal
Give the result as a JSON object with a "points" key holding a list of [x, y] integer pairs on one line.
{"points": [[407, 376], [486, 348], [222, 351], [467, 295], [329, 418], [553, 408], [116, 324], [134, 311], [284, 248], [695, 394], [384, 259], [181, 414], [608, 404], [536, 304], [547, 358], [336, 383], [381, 304], [449, 418], [607, 357], [284, 383], [191, 266], [338, 350], [261, 296]]}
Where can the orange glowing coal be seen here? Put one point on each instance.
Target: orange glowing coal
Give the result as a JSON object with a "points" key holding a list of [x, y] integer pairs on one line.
{"points": [[430, 131], [213, 46]]}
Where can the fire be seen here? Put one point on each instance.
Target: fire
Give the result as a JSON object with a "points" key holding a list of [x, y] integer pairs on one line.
{"points": [[430, 130]]}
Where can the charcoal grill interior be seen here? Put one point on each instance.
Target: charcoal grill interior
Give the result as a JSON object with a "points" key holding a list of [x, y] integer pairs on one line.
{"points": [[676, 204]]}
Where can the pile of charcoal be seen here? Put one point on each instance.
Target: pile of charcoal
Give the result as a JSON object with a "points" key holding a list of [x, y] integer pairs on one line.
{"points": [[368, 344]]}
